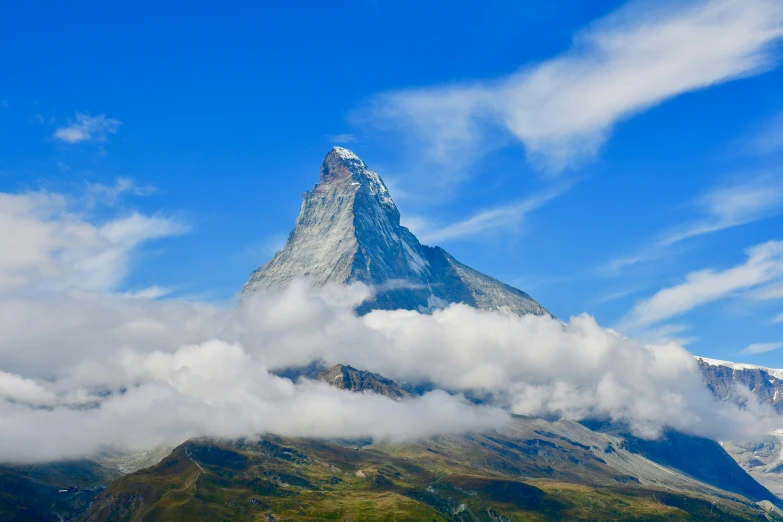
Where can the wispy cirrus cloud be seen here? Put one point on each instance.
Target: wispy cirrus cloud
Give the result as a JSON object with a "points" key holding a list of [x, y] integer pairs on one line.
{"points": [[764, 264], [774, 291], [738, 203], [761, 348], [87, 128], [343, 138], [769, 138], [667, 333], [563, 109], [619, 294], [508, 216], [150, 292], [99, 193]]}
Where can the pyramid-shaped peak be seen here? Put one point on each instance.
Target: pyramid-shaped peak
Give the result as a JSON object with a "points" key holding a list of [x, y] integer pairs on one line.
{"points": [[342, 157], [348, 231], [342, 165]]}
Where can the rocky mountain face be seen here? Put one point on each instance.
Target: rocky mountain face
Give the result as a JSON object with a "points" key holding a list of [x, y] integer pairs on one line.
{"points": [[726, 379], [348, 230], [349, 378]]}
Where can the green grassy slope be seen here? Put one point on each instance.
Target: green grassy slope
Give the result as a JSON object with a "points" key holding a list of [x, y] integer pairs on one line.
{"points": [[31, 492], [468, 479]]}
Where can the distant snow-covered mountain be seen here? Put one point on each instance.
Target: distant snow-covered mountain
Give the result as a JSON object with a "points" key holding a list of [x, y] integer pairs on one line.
{"points": [[723, 377], [348, 230]]}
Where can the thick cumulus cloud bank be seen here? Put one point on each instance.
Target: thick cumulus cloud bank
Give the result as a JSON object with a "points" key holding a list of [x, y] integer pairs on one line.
{"points": [[81, 370], [83, 366]]}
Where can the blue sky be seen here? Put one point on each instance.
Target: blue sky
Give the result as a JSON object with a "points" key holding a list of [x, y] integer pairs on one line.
{"points": [[618, 159]]}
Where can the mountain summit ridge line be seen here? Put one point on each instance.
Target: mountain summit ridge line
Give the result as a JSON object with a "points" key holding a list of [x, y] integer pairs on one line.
{"points": [[349, 230]]}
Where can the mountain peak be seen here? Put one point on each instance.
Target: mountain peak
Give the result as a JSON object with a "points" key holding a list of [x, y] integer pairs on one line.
{"points": [[343, 153], [342, 167], [348, 230], [340, 164]]}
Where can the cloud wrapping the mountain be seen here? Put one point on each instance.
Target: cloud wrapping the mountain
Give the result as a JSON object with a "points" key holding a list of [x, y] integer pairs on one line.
{"points": [[218, 389], [84, 369], [83, 365]]}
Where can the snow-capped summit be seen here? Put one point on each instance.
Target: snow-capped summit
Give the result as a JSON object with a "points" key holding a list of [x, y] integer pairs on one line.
{"points": [[344, 153], [349, 230]]}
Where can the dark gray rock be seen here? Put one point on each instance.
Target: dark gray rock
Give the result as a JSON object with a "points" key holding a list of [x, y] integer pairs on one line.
{"points": [[349, 378]]}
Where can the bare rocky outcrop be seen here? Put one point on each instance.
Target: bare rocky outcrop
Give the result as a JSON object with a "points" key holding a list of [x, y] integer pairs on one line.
{"points": [[349, 378]]}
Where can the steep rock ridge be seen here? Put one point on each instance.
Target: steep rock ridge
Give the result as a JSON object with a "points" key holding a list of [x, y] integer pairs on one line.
{"points": [[476, 289], [348, 230], [349, 378]]}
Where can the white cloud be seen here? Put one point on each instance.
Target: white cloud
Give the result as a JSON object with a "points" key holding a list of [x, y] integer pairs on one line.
{"points": [[764, 264], [761, 348], [98, 193], [43, 242], [508, 216], [81, 369], [667, 333], [343, 138], [742, 202], [151, 292], [87, 128], [778, 319], [769, 139], [620, 294], [617, 265], [16, 388], [218, 388], [563, 109], [134, 373], [774, 291]]}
